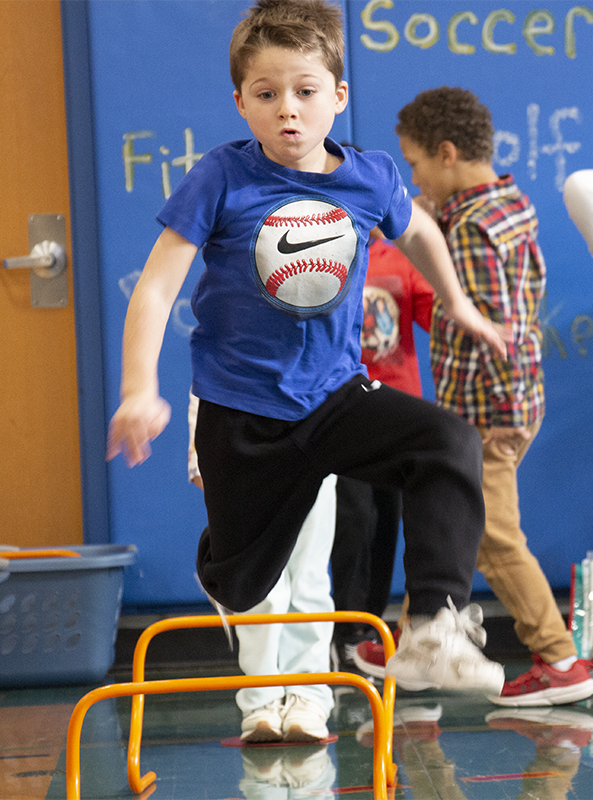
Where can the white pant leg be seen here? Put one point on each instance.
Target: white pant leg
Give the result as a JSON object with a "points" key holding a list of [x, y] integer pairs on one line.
{"points": [[306, 647], [303, 586], [259, 646]]}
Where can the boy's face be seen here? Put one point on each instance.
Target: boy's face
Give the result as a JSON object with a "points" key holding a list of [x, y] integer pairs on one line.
{"points": [[431, 174], [289, 101]]}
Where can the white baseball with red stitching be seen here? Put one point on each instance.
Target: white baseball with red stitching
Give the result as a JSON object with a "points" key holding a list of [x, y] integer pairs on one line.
{"points": [[304, 251]]}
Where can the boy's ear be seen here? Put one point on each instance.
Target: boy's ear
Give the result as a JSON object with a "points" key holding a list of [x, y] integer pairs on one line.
{"points": [[239, 102], [448, 153], [341, 97]]}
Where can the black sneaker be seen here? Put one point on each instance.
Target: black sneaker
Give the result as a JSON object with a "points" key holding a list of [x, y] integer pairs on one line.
{"points": [[343, 648]]}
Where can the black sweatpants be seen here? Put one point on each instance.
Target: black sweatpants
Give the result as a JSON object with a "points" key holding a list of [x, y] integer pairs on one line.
{"points": [[367, 524], [261, 477]]}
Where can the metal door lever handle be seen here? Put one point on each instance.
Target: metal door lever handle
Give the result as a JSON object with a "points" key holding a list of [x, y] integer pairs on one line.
{"points": [[47, 259]]}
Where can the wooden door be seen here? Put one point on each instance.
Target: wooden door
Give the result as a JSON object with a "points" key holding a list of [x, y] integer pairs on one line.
{"points": [[40, 486]]}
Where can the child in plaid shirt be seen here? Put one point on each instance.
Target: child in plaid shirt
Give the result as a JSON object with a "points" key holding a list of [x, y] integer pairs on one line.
{"points": [[491, 229]]}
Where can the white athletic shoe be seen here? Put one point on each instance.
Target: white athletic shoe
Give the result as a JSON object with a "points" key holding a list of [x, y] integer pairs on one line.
{"points": [[411, 719], [309, 767], [263, 724], [264, 772], [304, 720], [442, 654]]}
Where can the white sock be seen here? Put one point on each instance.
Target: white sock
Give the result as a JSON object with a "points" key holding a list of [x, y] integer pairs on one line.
{"points": [[564, 664]]}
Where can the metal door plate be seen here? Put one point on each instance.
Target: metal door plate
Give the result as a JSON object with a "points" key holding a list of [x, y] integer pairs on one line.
{"points": [[48, 292]]}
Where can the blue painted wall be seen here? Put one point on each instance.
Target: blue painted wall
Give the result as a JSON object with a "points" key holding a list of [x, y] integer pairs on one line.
{"points": [[537, 88], [161, 93]]}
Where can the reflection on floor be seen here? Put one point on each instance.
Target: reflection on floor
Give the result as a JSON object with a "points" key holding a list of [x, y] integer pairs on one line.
{"points": [[447, 747]]}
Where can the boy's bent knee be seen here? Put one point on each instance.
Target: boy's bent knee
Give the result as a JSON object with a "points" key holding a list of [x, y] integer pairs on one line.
{"points": [[454, 435]]}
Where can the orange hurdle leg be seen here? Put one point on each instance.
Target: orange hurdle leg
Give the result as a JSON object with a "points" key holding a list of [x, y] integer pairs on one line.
{"points": [[382, 729]]}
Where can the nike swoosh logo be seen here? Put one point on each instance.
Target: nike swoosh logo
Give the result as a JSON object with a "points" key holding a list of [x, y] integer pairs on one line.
{"points": [[286, 247], [373, 387]]}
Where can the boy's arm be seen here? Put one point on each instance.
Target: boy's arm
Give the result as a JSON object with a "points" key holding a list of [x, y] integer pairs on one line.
{"points": [[422, 296], [483, 275], [193, 468], [425, 246], [142, 413]]}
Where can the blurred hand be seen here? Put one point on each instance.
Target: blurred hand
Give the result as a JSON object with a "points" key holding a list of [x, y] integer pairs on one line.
{"points": [[137, 421], [506, 439], [467, 316]]}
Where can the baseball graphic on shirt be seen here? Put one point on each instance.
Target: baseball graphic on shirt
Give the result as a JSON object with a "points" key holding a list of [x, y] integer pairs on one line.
{"points": [[302, 255]]}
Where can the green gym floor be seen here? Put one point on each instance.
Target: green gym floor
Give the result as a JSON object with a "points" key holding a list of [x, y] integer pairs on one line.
{"points": [[447, 746]]}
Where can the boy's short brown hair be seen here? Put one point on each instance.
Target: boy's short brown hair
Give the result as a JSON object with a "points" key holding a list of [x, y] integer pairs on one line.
{"points": [[308, 26], [448, 114]]}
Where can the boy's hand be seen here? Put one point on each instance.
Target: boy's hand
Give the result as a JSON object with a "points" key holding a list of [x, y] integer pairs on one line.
{"points": [[136, 422], [467, 316], [508, 440]]}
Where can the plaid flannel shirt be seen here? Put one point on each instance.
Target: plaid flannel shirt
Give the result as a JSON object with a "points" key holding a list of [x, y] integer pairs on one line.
{"points": [[491, 231]]}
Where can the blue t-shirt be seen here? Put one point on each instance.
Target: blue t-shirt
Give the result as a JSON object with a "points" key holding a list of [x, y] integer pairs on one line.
{"points": [[279, 304]]}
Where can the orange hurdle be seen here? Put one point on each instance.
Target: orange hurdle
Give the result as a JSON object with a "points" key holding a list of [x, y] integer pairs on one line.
{"points": [[382, 709]]}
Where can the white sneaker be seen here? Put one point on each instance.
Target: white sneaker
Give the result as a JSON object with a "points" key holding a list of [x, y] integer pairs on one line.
{"points": [[308, 767], [263, 724], [261, 765], [442, 654], [402, 718], [304, 720]]}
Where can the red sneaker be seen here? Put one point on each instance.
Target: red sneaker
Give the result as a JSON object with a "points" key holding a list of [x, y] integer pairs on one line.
{"points": [[370, 656], [547, 727], [543, 685]]}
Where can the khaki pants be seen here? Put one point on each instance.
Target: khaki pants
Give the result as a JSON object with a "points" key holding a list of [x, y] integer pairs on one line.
{"points": [[512, 571]]}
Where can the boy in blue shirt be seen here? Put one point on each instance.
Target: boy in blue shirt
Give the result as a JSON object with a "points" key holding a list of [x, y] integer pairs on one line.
{"points": [[283, 221]]}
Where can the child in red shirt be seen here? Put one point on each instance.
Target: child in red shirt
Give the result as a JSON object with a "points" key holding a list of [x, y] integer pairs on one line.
{"points": [[395, 297]]}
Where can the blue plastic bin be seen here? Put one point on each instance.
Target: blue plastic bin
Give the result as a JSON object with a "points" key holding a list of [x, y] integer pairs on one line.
{"points": [[58, 615]]}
